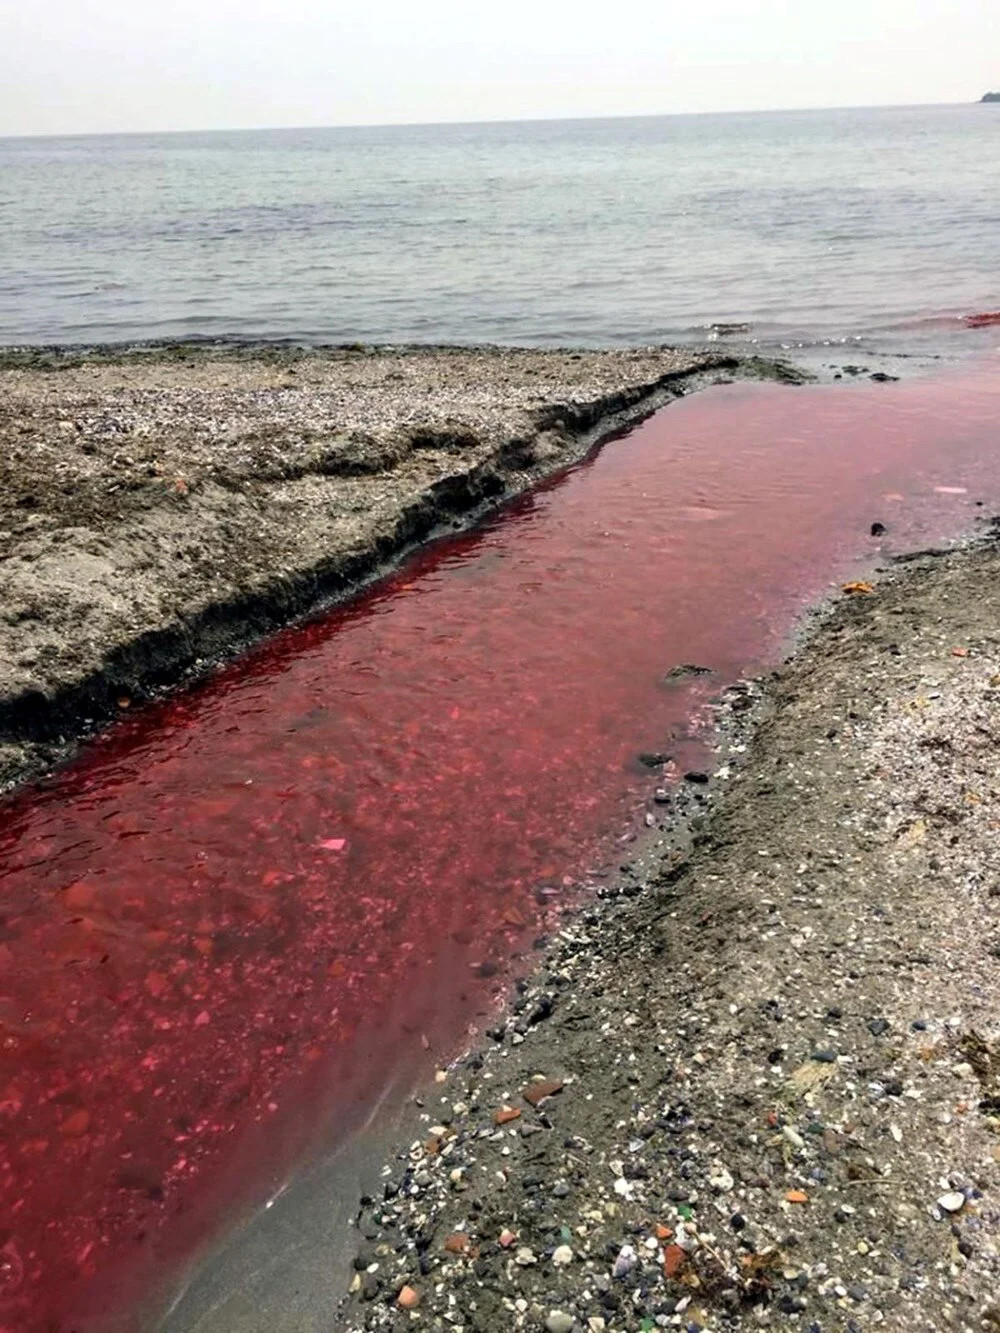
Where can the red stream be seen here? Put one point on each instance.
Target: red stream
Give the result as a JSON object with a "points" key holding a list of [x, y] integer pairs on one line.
{"points": [[242, 911]]}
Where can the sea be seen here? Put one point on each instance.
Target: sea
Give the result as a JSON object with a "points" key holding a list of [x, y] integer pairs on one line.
{"points": [[875, 227]]}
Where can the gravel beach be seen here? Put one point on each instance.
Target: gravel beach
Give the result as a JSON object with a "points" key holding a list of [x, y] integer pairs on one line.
{"points": [[161, 507], [756, 1083]]}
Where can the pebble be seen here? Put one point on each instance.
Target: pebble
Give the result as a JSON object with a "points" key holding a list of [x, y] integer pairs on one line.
{"points": [[625, 1262], [953, 1202], [562, 1256], [408, 1298], [721, 1181], [559, 1322]]}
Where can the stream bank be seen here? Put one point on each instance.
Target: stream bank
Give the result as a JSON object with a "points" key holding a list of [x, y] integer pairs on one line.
{"points": [[758, 1084], [162, 507]]}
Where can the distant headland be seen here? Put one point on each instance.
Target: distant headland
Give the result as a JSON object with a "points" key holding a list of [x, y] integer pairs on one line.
{"points": [[991, 97]]}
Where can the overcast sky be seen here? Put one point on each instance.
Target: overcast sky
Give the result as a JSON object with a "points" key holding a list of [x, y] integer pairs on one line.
{"points": [[78, 66]]}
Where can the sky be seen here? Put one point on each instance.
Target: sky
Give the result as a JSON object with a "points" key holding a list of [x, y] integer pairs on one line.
{"points": [[94, 66]]}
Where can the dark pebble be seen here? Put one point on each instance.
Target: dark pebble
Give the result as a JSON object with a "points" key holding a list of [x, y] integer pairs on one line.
{"points": [[737, 1221], [825, 1057], [696, 776], [878, 1026], [542, 1010]]}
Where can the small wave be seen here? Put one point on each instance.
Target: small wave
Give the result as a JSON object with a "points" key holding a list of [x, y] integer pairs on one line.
{"points": [[980, 320]]}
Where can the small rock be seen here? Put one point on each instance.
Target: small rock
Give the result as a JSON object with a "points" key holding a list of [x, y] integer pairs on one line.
{"points": [[952, 1202], [721, 1181], [697, 777], [624, 1263], [525, 1257], [562, 1256], [559, 1322], [408, 1298], [878, 1026], [536, 1093], [686, 669]]}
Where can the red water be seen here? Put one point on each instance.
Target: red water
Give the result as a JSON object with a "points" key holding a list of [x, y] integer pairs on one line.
{"points": [[239, 914]]}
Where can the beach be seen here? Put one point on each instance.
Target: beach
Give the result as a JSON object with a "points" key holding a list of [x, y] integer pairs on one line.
{"points": [[746, 1074]]}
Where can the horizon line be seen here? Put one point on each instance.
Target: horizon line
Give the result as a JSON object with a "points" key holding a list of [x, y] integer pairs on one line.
{"points": [[486, 120]]}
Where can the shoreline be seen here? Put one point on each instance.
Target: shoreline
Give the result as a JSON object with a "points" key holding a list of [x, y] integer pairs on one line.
{"points": [[165, 508], [656, 1134], [631, 1011]]}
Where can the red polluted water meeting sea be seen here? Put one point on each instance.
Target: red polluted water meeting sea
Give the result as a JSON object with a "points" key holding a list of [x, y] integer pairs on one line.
{"points": [[227, 927]]}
